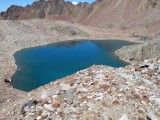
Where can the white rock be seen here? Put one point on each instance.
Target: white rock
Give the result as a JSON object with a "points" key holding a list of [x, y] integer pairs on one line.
{"points": [[84, 90], [158, 66], [152, 116], [66, 87], [39, 117], [157, 101], [100, 76], [147, 82], [54, 96], [141, 87], [146, 61], [44, 94], [124, 117], [143, 103], [30, 114], [48, 107], [152, 99]]}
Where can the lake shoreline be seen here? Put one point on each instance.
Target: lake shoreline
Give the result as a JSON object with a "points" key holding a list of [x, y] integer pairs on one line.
{"points": [[18, 38], [85, 53]]}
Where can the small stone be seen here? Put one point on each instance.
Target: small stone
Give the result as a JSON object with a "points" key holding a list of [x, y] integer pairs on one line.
{"points": [[157, 101], [30, 114], [83, 89], [141, 110], [137, 68], [152, 99], [38, 113], [144, 103], [115, 102], [109, 118], [54, 96], [100, 76], [48, 107], [39, 117], [152, 116], [124, 117], [44, 94], [141, 118], [56, 105], [104, 86], [7, 80], [65, 87], [85, 107]]}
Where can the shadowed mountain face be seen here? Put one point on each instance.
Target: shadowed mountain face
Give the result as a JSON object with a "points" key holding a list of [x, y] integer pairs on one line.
{"points": [[52, 9]]}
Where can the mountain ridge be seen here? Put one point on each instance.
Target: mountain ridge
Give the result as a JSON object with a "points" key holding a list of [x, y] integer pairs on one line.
{"points": [[102, 13], [51, 9]]}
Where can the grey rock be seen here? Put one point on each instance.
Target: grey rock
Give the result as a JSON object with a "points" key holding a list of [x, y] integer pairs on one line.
{"points": [[157, 101], [124, 117], [68, 94], [152, 116], [28, 104], [65, 87]]}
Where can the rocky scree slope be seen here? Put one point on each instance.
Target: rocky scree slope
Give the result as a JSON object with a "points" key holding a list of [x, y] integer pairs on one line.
{"points": [[99, 92], [137, 53]]}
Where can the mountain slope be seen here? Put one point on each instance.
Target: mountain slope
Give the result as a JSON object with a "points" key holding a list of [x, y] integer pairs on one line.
{"points": [[140, 16], [107, 12]]}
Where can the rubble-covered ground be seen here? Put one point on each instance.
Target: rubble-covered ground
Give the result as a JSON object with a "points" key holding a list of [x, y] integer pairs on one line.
{"points": [[96, 93], [20, 34]]}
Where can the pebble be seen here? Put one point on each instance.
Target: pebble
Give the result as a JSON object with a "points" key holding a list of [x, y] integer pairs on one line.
{"points": [[49, 107], [157, 101], [65, 87], [141, 110], [152, 116], [124, 117], [39, 117]]}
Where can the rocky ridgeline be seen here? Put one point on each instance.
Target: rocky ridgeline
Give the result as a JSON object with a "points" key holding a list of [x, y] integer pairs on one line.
{"points": [[52, 9], [98, 93]]}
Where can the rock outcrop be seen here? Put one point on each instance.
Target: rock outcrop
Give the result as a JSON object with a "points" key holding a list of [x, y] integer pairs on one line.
{"points": [[137, 53]]}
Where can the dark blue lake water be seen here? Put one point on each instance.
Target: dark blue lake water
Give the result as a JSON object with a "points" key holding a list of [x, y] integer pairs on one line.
{"points": [[40, 65]]}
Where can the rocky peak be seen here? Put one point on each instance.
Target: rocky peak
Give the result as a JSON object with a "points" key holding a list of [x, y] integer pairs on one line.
{"points": [[42, 8], [12, 12]]}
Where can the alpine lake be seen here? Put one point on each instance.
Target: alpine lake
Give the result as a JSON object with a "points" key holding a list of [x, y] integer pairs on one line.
{"points": [[40, 65]]}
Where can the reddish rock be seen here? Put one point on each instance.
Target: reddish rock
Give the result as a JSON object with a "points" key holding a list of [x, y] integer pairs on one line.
{"points": [[55, 105], [137, 68], [141, 110], [84, 98], [104, 86], [115, 102]]}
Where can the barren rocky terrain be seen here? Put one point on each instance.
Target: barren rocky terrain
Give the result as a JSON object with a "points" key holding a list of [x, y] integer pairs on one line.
{"points": [[99, 92], [15, 35]]}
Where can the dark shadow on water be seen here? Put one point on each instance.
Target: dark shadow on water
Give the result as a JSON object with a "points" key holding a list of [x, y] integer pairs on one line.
{"points": [[38, 66]]}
